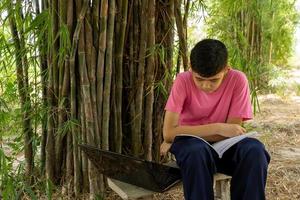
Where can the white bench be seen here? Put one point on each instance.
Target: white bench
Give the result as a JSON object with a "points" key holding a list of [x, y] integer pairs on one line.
{"points": [[131, 192]]}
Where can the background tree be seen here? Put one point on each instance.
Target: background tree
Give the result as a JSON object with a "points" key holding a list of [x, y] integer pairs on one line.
{"points": [[258, 34]]}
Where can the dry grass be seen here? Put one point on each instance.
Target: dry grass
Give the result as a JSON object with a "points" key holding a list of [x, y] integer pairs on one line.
{"points": [[280, 125]]}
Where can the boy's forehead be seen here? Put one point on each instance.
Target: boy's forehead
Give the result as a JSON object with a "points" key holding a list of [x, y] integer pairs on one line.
{"points": [[218, 75]]}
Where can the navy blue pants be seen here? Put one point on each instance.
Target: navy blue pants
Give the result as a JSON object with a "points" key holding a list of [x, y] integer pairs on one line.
{"points": [[247, 163]]}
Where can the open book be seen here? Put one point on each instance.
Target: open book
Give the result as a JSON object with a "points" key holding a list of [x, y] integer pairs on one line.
{"points": [[223, 145]]}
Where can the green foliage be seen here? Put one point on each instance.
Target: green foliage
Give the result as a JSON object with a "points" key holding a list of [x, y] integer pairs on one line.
{"points": [[258, 34], [49, 189], [11, 181], [9, 109]]}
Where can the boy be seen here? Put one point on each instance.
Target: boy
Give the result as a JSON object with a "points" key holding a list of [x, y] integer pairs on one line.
{"points": [[212, 101]]}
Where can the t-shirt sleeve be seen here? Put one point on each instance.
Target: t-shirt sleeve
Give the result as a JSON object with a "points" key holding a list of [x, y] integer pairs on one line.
{"points": [[177, 96], [240, 106]]}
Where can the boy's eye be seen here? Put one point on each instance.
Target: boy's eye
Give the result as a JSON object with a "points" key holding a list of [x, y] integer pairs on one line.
{"points": [[213, 80]]}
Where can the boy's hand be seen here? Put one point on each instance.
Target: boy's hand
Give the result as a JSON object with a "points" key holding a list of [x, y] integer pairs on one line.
{"points": [[164, 148], [230, 130]]}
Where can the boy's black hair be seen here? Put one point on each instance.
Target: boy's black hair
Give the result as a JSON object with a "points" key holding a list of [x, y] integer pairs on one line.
{"points": [[208, 57]]}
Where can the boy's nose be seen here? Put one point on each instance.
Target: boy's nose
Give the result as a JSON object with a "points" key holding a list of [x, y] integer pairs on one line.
{"points": [[206, 85]]}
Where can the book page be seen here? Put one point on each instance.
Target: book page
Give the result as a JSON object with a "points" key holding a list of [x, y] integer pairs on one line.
{"points": [[196, 137], [222, 146]]}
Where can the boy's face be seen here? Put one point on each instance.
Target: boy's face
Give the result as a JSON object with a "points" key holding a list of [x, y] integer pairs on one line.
{"points": [[209, 84]]}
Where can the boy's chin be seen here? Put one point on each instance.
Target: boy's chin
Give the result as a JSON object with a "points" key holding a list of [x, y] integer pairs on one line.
{"points": [[208, 91]]}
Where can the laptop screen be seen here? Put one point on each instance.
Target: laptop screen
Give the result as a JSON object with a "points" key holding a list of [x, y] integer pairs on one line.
{"points": [[149, 175]]}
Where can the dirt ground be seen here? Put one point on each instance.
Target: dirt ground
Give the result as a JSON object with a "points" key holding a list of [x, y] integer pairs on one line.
{"points": [[278, 123]]}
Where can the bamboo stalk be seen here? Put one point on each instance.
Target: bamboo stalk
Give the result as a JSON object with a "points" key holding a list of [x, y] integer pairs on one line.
{"points": [[81, 15], [74, 129], [45, 4], [169, 40], [88, 41], [185, 17], [54, 55], [73, 111], [94, 188], [28, 131], [94, 98], [150, 82], [120, 38], [43, 69], [62, 7], [131, 100], [22, 81], [50, 148], [181, 34], [50, 145], [43, 77], [139, 83], [108, 74], [95, 22], [91, 66], [63, 106], [178, 62], [253, 31], [89, 121], [50, 141], [100, 63], [113, 111], [85, 171], [73, 107], [69, 164]]}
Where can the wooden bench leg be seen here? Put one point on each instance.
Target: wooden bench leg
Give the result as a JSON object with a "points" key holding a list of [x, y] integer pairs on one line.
{"points": [[129, 192], [222, 189]]}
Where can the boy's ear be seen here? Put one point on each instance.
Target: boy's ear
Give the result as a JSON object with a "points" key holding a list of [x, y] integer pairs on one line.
{"points": [[227, 68], [190, 67]]}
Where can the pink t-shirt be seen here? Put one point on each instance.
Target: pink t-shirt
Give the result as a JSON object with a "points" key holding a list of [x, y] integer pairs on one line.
{"points": [[196, 107]]}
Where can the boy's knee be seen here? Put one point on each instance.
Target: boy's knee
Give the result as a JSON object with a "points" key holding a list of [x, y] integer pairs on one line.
{"points": [[189, 147], [253, 149]]}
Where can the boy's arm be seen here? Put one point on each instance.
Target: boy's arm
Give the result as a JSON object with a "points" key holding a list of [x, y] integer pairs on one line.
{"points": [[216, 138], [171, 124], [235, 120], [209, 131]]}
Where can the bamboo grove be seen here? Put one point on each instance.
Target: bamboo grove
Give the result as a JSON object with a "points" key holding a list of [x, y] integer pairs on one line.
{"points": [[105, 71]]}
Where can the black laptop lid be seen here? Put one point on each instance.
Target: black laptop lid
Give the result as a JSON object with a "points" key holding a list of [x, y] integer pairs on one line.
{"points": [[142, 173]]}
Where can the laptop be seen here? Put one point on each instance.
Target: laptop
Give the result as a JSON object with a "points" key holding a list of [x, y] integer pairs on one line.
{"points": [[146, 174]]}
